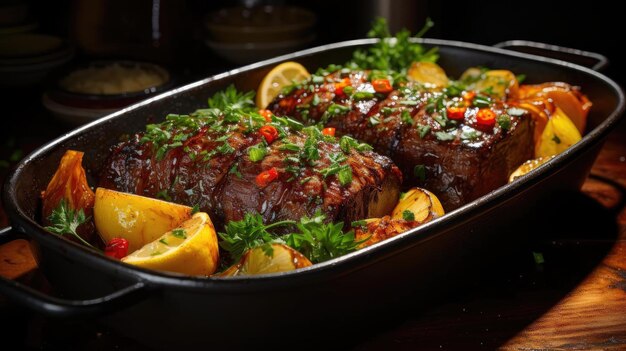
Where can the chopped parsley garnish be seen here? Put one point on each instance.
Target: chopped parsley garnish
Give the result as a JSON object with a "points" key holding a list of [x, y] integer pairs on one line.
{"points": [[362, 95], [419, 171], [257, 152], [423, 130], [162, 194], [346, 143], [470, 134], [481, 101], [406, 117], [504, 121], [316, 100], [345, 176], [179, 233], [443, 136], [407, 215]]}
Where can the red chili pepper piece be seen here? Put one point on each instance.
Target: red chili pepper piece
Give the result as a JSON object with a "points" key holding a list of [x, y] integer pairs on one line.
{"points": [[267, 114], [486, 118], [382, 86], [117, 248], [328, 131], [269, 133], [266, 177], [456, 113], [340, 85]]}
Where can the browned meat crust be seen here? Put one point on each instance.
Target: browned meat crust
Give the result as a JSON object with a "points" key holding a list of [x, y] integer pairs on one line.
{"points": [[213, 170], [458, 160]]}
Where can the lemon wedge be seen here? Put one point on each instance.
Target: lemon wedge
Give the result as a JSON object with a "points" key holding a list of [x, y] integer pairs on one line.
{"points": [[418, 205], [138, 219], [189, 249], [278, 78], [559, 134], [264, 260], [428, 73]]}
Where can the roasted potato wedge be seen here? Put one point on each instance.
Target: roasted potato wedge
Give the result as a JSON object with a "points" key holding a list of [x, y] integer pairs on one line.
{"points": [[528, 166], [418, 205], [264, 260]]}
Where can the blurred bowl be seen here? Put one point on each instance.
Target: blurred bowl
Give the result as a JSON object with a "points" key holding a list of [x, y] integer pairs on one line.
{"points": [[244, 53], [262, 24], [100, 88], [27, 59]]}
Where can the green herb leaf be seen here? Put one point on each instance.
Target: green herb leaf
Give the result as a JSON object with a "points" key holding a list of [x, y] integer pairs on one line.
{"points": [[362, 95], [419, 171], [179, 233], [66, 221], [407, 215], [504, 121], [393, 54], [345, 176], [320, 241], [423, 130], [257, 152], [443, 136]]}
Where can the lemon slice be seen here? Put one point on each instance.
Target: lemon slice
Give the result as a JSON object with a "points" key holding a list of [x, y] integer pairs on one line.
{"points": [[279, 77], [138, 219], [273, 259], [418, 205], [529, 166], [559, 134], [189, 249]]}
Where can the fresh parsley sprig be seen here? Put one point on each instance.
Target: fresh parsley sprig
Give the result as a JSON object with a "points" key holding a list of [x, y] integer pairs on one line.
{"points": [[317, 240], [66, 221], [248, 233], [393, 53], [320, 241]]}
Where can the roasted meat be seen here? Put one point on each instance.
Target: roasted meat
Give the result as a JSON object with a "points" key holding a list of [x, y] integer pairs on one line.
{"points": [[434, 135], [233, 164]]}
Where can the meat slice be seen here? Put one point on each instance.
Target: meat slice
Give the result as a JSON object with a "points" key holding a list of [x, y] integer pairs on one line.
{"points": [[304, 187], [209, 165], [457, 159]]}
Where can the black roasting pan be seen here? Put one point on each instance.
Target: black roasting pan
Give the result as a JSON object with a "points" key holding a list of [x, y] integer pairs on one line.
{"points": [[167, 309]]}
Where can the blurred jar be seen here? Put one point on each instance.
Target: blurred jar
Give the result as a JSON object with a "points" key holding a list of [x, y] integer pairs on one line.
{"points": [[149, 30]]}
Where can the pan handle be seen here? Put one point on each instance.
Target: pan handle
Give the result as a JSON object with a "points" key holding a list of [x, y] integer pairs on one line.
{"points": [[593, 60], [59, 307]]}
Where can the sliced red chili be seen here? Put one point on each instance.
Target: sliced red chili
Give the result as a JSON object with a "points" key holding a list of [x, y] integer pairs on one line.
{"points": [[117, 248], [486, 118], [267, 114], [382, 86], [266, 177], [328, 131], [456, 113], [269, 133], [340, 85]]}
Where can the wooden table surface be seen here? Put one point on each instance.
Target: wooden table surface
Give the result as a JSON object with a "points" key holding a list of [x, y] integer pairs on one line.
{"points": [[574, 300]]}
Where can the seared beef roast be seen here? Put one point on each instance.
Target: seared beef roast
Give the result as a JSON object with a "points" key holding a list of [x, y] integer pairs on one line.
{"points": [[455, 156], [229, 164]]}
